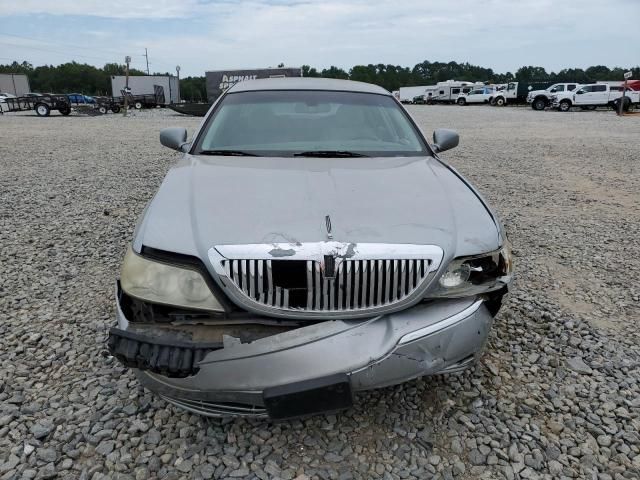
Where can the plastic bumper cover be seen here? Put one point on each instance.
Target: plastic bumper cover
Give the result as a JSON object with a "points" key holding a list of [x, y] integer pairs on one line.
{"points": [[437, 337]]}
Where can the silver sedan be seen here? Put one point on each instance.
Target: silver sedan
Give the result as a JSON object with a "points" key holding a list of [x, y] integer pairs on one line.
{"points": [[310, 243]]}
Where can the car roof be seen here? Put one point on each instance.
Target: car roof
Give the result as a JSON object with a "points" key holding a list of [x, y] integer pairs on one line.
{"points": [[300, 83]]}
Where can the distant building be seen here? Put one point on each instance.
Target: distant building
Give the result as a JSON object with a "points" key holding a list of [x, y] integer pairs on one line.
{"points": [[148, 85], [219, 80], [14, 83]]}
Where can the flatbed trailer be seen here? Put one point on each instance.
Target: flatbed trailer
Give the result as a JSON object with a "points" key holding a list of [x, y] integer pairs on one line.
{"points": [[140, 101], [42, 104]]}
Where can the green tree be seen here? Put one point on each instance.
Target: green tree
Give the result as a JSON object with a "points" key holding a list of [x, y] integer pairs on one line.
{"points": [[532, 74], [308, 71], [335, 72]]}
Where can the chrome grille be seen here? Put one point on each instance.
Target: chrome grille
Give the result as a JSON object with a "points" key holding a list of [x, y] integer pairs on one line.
{"points": [[357, 284]]}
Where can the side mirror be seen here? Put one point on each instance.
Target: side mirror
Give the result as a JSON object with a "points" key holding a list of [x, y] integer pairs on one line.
{"points": [[174, 138], [553, 90], [445, 139]]}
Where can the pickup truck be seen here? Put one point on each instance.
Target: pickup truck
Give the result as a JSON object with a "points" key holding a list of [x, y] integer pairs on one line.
{"points": [[541, 99], [594, 95]]}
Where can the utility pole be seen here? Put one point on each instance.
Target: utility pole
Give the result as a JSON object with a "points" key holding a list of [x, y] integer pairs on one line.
{"points": [[127, 59], [178, 72], [146, 55], [627, 76]]}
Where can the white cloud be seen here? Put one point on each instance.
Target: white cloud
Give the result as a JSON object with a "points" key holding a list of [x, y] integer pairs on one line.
{"points": [[101, 8], [501, 34]]}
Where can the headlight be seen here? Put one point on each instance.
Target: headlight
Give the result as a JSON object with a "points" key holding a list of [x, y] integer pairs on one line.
{"points": [[467, 276], [166, 284]]}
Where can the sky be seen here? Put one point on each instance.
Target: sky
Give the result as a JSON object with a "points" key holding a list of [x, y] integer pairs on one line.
{"points": [[204, 35]]}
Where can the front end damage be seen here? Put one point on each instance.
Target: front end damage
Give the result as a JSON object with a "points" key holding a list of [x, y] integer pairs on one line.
{"points": [[260, 366]]}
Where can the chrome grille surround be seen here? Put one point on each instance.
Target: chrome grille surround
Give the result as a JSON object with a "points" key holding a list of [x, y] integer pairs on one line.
{"points": [[369, 279]]}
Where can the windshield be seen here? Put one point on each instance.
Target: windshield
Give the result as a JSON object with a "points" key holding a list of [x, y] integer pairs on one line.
{"points": [[290, 122]]}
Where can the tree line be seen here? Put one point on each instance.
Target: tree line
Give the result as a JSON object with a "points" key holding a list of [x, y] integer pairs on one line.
{"points": [[79, 77]]}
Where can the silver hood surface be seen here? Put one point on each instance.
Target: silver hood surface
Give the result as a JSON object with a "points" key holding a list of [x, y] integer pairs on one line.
{"points": [[207, 201]]}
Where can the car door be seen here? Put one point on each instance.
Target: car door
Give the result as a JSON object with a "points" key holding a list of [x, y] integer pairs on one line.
{"points": [[475, 96], [600, 94], [584, 95]]}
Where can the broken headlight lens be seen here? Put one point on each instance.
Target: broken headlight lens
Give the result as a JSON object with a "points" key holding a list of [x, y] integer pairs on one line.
{"points": [[166, 284], [474, 275]]}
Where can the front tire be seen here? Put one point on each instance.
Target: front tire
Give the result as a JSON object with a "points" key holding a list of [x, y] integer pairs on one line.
{"points": [[499, 102], [539, 104], [138, 105], [115, 109], [565, 106], [42, 110], [461, 101], [65, 110], [102, 109]]}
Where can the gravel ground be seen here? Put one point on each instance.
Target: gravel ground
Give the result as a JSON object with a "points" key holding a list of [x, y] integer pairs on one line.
{"points": [[557, 394]]}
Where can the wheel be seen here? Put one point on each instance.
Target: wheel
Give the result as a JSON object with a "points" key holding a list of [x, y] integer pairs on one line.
{"points": [[626, 104], [499, 102], [565, 106], [115, 109], [66, 110], [461, 101], [102, 109], [138, 105], [42, 110], [539, 104]]}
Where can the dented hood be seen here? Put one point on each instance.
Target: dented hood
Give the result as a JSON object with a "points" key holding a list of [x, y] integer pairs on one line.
{"points": [[208, 201]]}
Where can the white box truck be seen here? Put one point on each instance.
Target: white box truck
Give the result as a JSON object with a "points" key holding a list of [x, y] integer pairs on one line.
{"points": [[149, 85]]}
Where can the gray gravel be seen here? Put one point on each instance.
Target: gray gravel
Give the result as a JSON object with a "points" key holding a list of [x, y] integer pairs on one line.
{"points": [[557, 394]]}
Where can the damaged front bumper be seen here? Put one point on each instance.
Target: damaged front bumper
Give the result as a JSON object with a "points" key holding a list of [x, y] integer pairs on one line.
{"points": [[305, 370]]}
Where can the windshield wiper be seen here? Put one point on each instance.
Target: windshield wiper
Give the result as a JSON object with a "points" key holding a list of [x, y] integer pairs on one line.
{"points": [[228, 153], [329, 153]]}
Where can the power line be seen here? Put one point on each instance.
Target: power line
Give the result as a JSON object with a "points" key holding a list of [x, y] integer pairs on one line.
{"points": [[62, 44], [72, 54]]}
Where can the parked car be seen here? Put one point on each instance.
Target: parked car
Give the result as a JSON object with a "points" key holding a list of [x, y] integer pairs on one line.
{"points": [[541, 99], [594, 95], [310, 243], [79, 98], [477, 95]]}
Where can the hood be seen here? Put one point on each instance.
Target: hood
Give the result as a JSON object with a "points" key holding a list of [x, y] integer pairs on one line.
{"points": [[207, 201]]}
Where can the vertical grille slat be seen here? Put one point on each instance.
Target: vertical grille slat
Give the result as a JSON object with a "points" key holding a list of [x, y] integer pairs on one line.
{"points": [[348, 281], [357, 285], [372, 283], [260, 281], [270, 299], [379, 280], [341, 286], [244, 269], [411, 272], [317, 286], [365, 271], [252, 278], [394, 283], [309, 284], [387, 282]]}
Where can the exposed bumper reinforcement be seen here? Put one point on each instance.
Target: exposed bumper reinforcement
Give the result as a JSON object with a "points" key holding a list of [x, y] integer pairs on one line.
{"points": [[172, 359]]}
